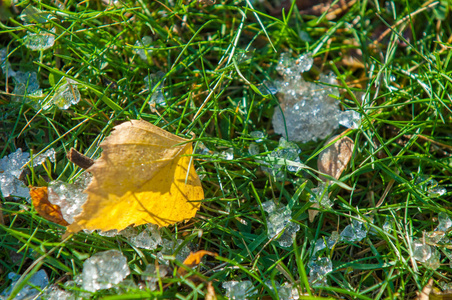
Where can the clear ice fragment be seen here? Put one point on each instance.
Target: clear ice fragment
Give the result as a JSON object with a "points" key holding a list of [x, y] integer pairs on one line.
{"points": [[55, 293], [330, 242], [148, 239], [285, 291], [387, 226], [32, 14], [26, 84], [41, 158], [65, 96], [258, 136], [39, 279], [268, 88], [430, 186], [40, 41], [140, 47], [239, 290], [354, 232], [287, 151], [150, 275], [254, 149], [228, 154], [201, 149], [4, 63], [278, 220], [307, 111], [444, 222], [10, 172], [350, 119], [151, 81], [320, 195], [426, 254], [170, 247], [69, 197], [319, 268], [104, 270]]}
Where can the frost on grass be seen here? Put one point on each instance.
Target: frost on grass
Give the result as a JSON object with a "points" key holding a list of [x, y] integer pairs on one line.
{"points": [[286, 291], [319, 268], [155, 82], [278, 220], [239, 290], [31, 290], [286, 152], [104, 270], [65, 96], [308, 111], [26, 88], [40, 41], [69, 196], [141, 45]]}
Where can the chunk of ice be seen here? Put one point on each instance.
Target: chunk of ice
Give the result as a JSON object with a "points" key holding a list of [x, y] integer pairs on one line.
{"points": [[201, 149], [349, 119], [228, 154], [307, 110], [319, 268], [152, 277], [140, 47], [268, 88], [287, 151], [26, 83], [32, 14], [41, 158], [40, 41], [55, 293], [330, 242], [150, 82], [69, 197], [39, 279], [285, 291], [254, 149], [10, 172], [170, 247], [444, 222], [320, 195], [430, 186], [258, 136], [387, 226], [354, 232], [104, 270], [239, 290], [426, 254], [278, 219], [4, 63], [14, 162], [148, 239], [65, 96]]}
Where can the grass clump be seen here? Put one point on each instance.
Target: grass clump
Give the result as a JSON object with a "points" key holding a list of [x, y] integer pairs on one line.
{"points": [[206, 65]]}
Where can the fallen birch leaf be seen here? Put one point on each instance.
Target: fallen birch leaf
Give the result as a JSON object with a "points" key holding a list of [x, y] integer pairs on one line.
{"points": [[333, 161], [47, 210], [194, 259], [143, 176]]}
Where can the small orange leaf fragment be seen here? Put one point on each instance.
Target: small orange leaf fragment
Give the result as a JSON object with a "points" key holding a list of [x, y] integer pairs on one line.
{"points": [[47, 210], [194, 259], [143, 176]]}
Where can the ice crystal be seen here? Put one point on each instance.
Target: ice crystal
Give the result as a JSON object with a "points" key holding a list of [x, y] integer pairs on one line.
{"points": [[430, 186], [104, 270], [31, 290], [285, 291], [330, 242], [320, 195], [239, 290], [319, 268], [151, 82], [426, 254], [278, 219], [40, 41], [444, 222], [140, 47], [287, 151], [26, 84], [65, 96], [354, 232]]}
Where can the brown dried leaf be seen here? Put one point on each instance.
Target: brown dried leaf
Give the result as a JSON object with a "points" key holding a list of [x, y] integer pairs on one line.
{"points": [[47, 210]]}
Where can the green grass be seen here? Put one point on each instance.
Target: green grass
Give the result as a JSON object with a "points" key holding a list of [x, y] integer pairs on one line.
{"points": [[213, 58]]}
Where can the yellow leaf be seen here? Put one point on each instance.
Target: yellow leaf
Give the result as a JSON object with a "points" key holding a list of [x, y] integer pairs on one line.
{"points": [[143, 176]]}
